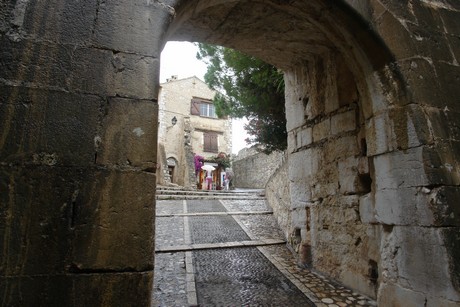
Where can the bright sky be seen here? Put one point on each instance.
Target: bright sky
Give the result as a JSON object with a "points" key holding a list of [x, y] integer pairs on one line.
{"points": [[179, 58]]}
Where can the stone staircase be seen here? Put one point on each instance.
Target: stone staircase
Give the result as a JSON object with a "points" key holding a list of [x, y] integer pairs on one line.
{"points": [[171, 193]]}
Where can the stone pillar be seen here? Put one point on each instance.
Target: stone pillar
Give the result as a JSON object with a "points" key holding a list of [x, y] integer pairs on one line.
{"points": [[78, 113]]}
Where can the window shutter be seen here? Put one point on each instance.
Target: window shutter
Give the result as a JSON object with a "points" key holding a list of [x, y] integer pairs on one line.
{"points": [[210, 142], [213, 140], [207, 142], [195, 107]]}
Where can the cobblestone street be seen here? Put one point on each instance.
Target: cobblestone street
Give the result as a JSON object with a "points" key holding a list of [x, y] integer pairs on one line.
{"points": [[228, 251]]}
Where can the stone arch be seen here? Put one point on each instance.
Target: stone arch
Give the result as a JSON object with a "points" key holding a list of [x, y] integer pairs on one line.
{"points": [[173, 165], [356, 125], [79, 87]]}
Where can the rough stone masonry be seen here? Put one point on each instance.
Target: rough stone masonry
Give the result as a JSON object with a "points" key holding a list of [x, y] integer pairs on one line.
{"points": [[373, 159]]}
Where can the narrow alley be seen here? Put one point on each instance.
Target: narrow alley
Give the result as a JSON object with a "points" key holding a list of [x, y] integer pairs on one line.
{"points": [[225, 249]]}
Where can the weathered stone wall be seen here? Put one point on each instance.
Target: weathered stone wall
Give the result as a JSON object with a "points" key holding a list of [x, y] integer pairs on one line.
{"points": [[277, 193], [252, 169], [78, 117]]}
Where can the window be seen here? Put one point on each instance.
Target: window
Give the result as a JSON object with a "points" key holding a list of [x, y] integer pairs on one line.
{"points": [[207, 110], [210, 143], [203, 108]]}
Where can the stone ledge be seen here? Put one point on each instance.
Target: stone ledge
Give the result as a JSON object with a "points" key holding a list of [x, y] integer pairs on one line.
{"points": [[192, 247], [216, 213]]}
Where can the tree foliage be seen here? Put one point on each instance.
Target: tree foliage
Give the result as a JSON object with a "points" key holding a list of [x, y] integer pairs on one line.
{"points": [[250, 88]]}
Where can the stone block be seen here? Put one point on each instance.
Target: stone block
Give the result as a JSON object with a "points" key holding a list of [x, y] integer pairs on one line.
{"points": [[295, 114], [400, 170], [114, 222], [124, 75], [132, 26], [441, 92], [129, 126], [48, 127], [454, 45], [37, 290], [78, 290], [304, 137], [350, 180], [343, 122], [65, 218], [299, 218], [416, 167], [36, 218], [429, 41], [363, 165], [319, 191], [68, 22], [409, 127], [359, 281], [346, 85], [301, 170], [300, 194], [441, 163], [296, 100], [443, 206], [378, 134], [292, 141], [451, 238], [403, 206], [322, 130], [46, 66], [448, 75], [367, 213], [449, 18], [332, 81], [394, 295], [302, 165], [116, 289], [412, 206], [398, 39], [340, 148], [422, 262]]}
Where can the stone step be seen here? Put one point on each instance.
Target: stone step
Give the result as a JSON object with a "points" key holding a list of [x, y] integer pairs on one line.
{"points": [[191, 197], [180, 193], [204, 192]]}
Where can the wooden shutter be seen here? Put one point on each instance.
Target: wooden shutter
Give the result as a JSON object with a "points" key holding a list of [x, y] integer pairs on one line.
{"points": [[214, 142], [195, 107], [210, 142]]}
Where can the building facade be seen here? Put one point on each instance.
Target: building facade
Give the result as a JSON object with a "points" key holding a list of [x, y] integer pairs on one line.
{"points": [[188, 126]]}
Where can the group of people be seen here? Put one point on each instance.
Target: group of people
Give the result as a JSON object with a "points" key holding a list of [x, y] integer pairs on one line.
{"points": [[227, 178]]}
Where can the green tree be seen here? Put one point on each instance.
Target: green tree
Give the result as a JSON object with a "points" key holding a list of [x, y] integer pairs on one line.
{"points": [[250, 88]]}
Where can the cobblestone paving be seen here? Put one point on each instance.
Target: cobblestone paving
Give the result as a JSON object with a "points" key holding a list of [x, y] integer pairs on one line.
{"points": [[242, 277], [204, 206], [169, 207], [235, 276], [170, 281], [261, 226], [247, 205], [165, 235], [215, 229], [321, 290]]}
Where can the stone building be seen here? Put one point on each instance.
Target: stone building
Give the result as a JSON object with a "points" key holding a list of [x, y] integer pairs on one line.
{"points": [[188, 125], [373, 117]]}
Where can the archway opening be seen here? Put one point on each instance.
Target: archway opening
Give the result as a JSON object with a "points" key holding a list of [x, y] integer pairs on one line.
{"points": [[335, 72]]}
